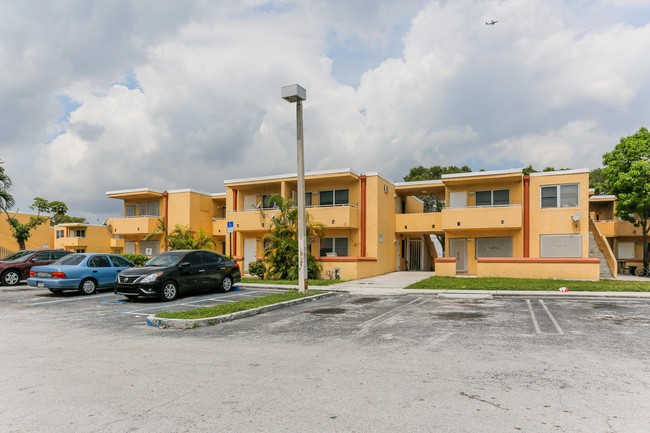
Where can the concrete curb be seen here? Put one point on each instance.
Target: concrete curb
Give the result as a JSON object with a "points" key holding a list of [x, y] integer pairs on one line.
{"points": [[161, 323]]}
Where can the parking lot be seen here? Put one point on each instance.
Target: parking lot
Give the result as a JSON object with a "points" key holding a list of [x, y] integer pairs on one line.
{"points": [[345, 363]]}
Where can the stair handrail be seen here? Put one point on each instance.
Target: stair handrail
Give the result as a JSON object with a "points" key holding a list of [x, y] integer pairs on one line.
{"points": [[602, 243]]}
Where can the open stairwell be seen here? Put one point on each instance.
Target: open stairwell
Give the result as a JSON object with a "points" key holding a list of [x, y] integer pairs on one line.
{"points": [[595, 252]]}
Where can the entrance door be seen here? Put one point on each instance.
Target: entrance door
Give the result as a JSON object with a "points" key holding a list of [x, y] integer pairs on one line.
{"points": [[250, 252], [414, 254], [458, 249]]}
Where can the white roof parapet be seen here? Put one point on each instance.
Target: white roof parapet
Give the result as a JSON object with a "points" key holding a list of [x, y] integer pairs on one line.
{"points": [[420, 182], [556, 172], [483, 173], [281, 176], [603, 197], [218, 194], [177, 191], [127, 191]]}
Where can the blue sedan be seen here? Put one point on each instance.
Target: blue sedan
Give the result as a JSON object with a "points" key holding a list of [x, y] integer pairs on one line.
{"points": [[82, 272]]}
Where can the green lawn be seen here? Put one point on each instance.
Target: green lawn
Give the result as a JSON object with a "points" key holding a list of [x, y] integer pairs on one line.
{"points": [[233, 307], [454, 283], [289, 282]]}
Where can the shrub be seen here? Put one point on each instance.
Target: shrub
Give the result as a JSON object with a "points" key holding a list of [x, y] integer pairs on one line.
{"points": [[136, 259], [257, 269]]}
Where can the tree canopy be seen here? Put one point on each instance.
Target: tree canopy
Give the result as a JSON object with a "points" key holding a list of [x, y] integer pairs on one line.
{"points": [[627, 174], [419, 173]]}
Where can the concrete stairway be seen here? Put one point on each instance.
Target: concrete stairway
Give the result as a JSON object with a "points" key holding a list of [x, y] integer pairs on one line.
{"points": [[595, 252]]}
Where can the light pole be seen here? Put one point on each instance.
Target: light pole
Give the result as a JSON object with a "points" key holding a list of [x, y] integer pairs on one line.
{"points": [[297, 94]]}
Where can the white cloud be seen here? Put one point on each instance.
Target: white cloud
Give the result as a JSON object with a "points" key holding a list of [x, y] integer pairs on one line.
{"points": [[553, 83]]}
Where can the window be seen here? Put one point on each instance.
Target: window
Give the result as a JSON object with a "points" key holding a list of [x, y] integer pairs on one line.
{"points": [[42, 256], [498, 197], [80, 250], [149, 208], [129, 210], [78, 233], [99, 262], [267, 203], [625, 250], [560, 246], [494, 247], [209, 258], [560, 195], [337, 197], [334, 247], [60, 234], [56, 255], [120, 262]]}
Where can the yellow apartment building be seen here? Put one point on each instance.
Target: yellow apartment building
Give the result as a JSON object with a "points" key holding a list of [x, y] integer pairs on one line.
{"points": [[83, 238], [144, 209], [41, 236], [621, 238], [495, 223]]}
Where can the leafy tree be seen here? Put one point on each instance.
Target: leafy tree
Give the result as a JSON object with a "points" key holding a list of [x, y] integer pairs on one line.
{"points": [[598, 181], [6, 199], [184, 238], [281, 250], [419, 173], [627, 171]]}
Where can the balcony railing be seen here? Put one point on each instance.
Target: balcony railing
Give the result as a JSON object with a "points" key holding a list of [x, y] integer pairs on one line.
{"points": [[418, 222], [483, 217], [338, 216], [140, 225]]}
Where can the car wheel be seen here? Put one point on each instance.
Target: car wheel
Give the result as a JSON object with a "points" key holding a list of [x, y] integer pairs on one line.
{"points": [[88, 287], [131, 297], [169, 291], [226, 284], [10, 278]]}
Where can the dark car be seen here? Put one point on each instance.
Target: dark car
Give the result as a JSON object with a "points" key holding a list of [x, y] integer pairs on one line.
{"points": [[84, 272], [173, 273], [16, 267]]}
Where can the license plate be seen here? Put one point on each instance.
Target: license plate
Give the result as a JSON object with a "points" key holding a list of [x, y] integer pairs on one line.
{"points": [[40, 285]]}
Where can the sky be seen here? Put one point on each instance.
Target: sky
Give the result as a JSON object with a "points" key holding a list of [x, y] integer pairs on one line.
{"points": [[99, 96]]}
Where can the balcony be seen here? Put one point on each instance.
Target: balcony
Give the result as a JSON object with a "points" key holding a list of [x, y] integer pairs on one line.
{"points": [[617, 228], [70, 242], [133, 225], [117, 243], [418, 222], [483, 218], [335, 216], [219, 227], [248, 221]]}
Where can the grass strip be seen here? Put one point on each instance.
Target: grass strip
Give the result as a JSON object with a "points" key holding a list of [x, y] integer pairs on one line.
{"points": [[233, 307], [290, 282], [455, 283]]}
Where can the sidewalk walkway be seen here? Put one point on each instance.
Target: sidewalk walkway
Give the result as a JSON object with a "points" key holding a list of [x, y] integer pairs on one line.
{"points": [[395, 283]]}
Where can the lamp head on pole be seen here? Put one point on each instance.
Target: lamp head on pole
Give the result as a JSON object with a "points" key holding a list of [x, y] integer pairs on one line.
{"points": [[294, 93]]}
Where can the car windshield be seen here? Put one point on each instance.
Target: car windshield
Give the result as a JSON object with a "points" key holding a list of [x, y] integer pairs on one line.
{"points": [[20, 256], [165, 259], [70, 260]]}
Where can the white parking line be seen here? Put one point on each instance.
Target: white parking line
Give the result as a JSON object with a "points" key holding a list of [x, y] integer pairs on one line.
{"points": [[403, 307], [557, 326], [79, 298], [194, 301], [538, 330], [532, 314]]}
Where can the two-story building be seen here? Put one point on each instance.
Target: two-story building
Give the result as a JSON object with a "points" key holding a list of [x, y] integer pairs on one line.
{"points": [[498, 223], [83, 238]]}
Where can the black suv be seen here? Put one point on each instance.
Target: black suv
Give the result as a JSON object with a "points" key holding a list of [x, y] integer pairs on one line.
{"points": [[16, 267], [172, 273]]}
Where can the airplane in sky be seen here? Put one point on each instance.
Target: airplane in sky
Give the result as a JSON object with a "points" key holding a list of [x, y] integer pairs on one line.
{"points": [[491, 23]]}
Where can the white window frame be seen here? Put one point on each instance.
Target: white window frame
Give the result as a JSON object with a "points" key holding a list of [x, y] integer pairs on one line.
{"points": [[492, 191], [558, 195], [333, 249]]}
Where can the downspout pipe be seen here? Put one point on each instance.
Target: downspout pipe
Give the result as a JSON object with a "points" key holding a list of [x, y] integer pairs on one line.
{"points": [[526, 216], [363, 215]]}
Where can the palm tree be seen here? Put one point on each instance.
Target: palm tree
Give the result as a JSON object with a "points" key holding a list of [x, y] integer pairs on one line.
{"points": [[161, 229], [6, 199], [281, 251], [184, 238]]}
